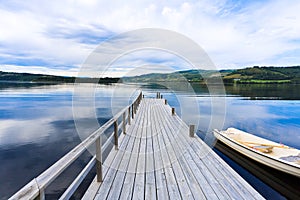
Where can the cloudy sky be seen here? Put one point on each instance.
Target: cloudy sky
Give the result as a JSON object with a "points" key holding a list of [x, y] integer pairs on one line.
{"points": [[56, 37]]}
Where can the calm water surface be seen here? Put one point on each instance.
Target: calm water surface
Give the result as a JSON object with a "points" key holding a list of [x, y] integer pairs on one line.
{"points": [[37, 126]]}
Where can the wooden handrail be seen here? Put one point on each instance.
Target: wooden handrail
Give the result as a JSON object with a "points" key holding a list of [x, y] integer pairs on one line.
{"points": [[35, 188]]}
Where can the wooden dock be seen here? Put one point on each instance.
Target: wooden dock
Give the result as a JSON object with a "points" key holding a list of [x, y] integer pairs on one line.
{"points": [[157, 156]]}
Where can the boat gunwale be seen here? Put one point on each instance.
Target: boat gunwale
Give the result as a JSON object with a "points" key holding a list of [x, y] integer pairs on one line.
{"points": [[256, 151]]}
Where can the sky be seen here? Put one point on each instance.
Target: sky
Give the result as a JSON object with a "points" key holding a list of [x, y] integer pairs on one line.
{"points": [[57, 37]]}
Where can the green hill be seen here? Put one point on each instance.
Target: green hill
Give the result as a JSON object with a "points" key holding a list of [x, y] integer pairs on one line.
{"points": [[247, 75], [264, 75], [41, 78], [26, 77], [187, 75]]}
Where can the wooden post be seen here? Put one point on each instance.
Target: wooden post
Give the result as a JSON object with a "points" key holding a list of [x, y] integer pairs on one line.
{"points": [[99, 160], [129, 117], [41, 195], [166, 101], [192, 130], [173, 111], [124, 123], [132, 112], [116, 134]]}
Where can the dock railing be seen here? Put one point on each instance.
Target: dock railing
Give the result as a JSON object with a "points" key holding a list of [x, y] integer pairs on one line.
{"points": [[35, 189]]}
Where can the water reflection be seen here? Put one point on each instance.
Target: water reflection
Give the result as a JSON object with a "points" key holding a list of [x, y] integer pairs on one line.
{"points": [[37, 128], [271, 119], [265, 91]]}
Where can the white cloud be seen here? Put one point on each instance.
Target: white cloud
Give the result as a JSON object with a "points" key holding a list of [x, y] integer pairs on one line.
{"points": [[234, 33]]}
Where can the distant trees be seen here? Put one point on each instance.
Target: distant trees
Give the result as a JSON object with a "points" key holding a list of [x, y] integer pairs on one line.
{"points": [[41, 78], [290, 74]]}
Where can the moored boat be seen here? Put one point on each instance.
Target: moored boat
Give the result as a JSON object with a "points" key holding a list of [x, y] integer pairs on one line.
{"points": [[272, 154]]}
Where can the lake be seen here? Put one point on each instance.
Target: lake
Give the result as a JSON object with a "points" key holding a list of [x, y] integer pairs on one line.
{"points": [[37, 122]]}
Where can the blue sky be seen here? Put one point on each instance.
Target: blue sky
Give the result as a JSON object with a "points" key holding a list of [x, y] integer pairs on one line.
{"points": [[56, 37]]}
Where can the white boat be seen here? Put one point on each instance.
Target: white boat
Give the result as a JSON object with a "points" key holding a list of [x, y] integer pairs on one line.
{"points": [[272, 154]]}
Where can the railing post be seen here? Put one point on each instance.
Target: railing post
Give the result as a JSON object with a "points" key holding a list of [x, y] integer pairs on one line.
{"points": [[129, 117], [124, 123], [135, 106], [116, 134], [41, 195], [192, 130], [166, 101], [132, 112], [173, 111], [99, 160]]}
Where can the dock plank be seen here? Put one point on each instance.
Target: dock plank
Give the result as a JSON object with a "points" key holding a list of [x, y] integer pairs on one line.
{"points": [[117, 185], [184, 188], [104, 189], [93, 188], [183, 138], [150, 182], [192, 173], [111, 174], [182, 146], [128, 185], [139, 183], [222, 171], [160, 174], [173, 188]]}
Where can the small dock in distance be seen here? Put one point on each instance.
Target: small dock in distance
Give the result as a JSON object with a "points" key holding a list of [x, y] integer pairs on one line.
{"points": [[157, 156]]}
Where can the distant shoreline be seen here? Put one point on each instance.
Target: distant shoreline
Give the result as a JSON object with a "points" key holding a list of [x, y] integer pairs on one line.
{"points": [[250, 75], [12, 77]]}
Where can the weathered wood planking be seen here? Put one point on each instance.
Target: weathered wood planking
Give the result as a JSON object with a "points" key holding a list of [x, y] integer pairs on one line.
{"points": [[157, 159], [236, 184], [114, 167], [203, 172], [116, 187], [150, 184], [222, 176], [160, 174]]}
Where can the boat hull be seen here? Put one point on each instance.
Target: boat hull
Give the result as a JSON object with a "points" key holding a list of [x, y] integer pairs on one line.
{"points": [[258, 156]]}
